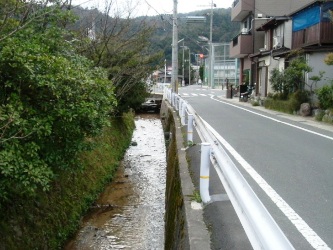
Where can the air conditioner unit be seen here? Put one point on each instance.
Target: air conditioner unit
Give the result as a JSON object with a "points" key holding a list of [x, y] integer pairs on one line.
{"points": [[277, 42], [245, 30]]}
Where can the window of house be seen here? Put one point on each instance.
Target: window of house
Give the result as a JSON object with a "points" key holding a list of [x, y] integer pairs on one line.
{"points": [[267, 39], [245, 24]]}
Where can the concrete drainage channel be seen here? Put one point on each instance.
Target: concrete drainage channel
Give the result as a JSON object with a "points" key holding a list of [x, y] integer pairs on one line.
{"points": [[149, 204], [129, 213]]}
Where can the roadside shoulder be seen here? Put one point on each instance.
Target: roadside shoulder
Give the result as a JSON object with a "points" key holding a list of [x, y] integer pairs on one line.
{"points": [[308, 120]]}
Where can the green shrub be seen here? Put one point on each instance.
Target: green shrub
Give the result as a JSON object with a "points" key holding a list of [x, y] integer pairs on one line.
{"points": [[291, 79], [297, 98], [285, 106], [48, 219], [291, 105], [277, 81], [327, 118], [319, 116], [325, 96], [255, 103], [51, 100]]}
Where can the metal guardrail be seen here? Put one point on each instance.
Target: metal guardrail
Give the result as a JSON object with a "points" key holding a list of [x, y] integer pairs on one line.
{"points": [[261, 229]]}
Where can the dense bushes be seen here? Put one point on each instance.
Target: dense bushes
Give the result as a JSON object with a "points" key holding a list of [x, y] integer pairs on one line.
{"points": [[290, 105], [291, 79], [51, 100], [325, 96], [59, 140], [46, 220]]}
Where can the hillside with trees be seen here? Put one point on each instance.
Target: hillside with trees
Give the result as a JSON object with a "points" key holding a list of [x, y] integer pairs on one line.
{"points": [[223, 30], [160, 36]]}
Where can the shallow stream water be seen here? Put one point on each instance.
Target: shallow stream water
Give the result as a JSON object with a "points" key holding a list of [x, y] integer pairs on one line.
{"points": [[129, 214]]}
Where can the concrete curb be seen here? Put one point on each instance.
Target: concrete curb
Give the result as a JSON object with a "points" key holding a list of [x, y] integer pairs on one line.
{"points": [[199, 238]]}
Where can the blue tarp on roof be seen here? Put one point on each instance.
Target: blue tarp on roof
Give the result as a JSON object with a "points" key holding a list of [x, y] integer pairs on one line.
{"points": [[311, 16], [306, 18]]}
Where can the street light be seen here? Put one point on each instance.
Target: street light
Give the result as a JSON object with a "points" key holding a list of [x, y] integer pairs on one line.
{"points": [[207, 60], [189, 64], [211, 66]]}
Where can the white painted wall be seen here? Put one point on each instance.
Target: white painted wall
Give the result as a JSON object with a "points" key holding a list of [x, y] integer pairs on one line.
{"points": [[316, 62]]}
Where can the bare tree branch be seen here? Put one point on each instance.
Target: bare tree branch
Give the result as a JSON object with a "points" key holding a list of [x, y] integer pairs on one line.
{"points": [[26, 14]]}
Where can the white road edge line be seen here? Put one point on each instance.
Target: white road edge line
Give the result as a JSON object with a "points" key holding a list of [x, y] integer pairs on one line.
{"points": [[311, 236], [273, 119]]}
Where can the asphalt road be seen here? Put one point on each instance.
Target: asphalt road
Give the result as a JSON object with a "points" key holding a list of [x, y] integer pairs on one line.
{"points": [[294, 155]]}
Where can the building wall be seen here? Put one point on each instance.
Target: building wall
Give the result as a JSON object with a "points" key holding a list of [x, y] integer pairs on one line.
{"points": [[281, 64], [262, 10], [316, 62], [288, 34], [270, 8], [247, 63], [266, 64], [278, 7]]}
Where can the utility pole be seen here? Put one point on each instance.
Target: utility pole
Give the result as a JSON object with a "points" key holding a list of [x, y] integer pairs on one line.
{"points": [[165, 71], [174, 76], [183, 66], [210, 42], [211, 66], [189, 66]]}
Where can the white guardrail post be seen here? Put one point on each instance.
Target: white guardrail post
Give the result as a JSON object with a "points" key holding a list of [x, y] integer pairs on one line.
{"points": [[176, 102], [261, 229], [190, 128], [204, 172], [183, 114], [180, 104], [167, 93]]}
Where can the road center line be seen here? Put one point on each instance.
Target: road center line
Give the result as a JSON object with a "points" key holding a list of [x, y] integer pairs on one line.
{"points": [[311, 236], [273, 119]]}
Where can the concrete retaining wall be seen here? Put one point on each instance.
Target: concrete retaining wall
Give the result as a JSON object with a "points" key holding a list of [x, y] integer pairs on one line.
{"points": [[185, 228]]}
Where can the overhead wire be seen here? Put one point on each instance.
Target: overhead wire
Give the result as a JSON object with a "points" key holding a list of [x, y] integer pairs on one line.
{"points": [[154, 8], [171, 24]]}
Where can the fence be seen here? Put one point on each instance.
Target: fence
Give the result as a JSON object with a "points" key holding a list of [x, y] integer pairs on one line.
{"points": [[261, 229]]}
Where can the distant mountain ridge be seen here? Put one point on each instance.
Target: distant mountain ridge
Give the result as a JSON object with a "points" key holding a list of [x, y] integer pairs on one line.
{"points": [[223, 30]]}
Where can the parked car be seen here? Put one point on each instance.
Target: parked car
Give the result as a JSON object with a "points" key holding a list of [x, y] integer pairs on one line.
{"points": [[151, 105]]}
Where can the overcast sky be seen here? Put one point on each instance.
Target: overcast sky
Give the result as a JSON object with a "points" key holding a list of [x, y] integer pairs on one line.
{"points": [[155, 7]]}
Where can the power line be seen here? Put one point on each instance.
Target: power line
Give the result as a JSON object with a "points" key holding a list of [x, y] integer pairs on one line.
{"points": [[158, 13]]}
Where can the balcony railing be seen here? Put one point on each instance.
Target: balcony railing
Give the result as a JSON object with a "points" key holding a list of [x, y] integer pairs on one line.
{"points": [[241, 46], [235, 3]]}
